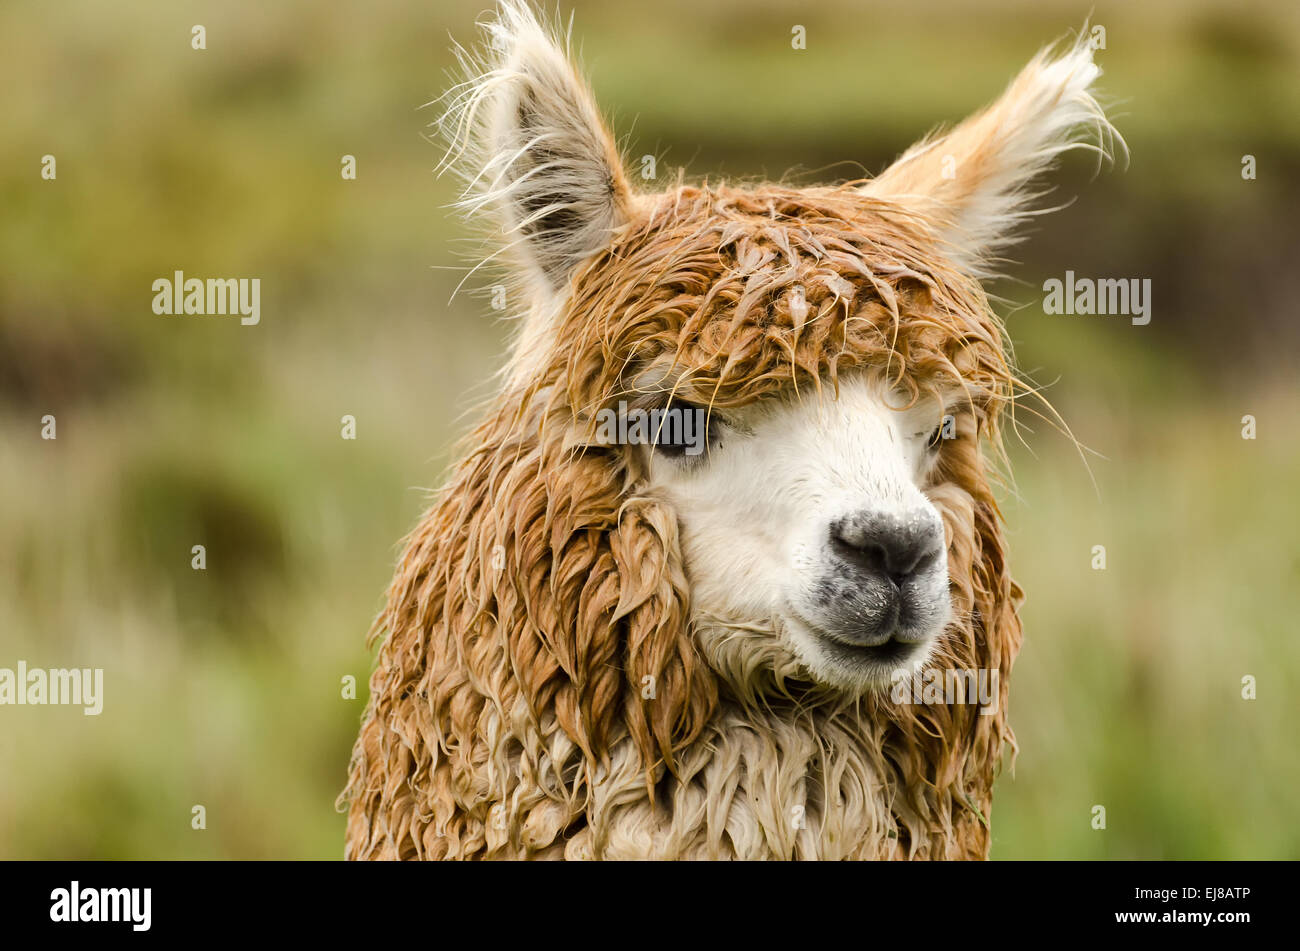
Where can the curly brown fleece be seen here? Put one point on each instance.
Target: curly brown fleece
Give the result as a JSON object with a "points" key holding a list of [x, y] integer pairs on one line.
{"points": [[506, 716]]}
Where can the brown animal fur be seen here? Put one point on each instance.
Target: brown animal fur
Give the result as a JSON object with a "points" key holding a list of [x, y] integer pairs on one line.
{"points": [[506, 717]]}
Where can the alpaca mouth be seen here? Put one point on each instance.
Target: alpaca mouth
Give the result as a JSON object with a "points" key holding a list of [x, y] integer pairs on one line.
{"points": [[855, 664], [892, 653]]}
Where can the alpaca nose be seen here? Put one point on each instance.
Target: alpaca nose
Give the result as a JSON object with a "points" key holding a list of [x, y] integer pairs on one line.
{"points": [[897, 547]]}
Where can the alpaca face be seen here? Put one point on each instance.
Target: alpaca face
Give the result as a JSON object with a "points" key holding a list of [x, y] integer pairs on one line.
{"points": [[831, 529], [601, 647], [807, 535]]}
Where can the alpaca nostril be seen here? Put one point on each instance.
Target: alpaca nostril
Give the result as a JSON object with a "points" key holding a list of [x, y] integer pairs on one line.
{"points": [[897, 548]]}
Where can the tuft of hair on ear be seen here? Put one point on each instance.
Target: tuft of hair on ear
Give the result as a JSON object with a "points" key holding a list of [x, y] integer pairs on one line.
{"points": [[974, 182], [541, 171]]}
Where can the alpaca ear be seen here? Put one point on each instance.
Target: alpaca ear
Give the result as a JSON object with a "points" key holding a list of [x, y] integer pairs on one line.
{"points": [[538, 160], [974, 181]]}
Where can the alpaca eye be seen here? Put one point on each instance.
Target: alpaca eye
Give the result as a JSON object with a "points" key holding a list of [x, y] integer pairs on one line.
{"points": [[681, 430], [936, 437]]}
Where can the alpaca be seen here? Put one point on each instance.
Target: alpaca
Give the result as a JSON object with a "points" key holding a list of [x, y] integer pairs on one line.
{"points": [[597, 648]]}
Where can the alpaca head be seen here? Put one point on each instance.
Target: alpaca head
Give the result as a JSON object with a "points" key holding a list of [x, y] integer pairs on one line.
{"points": [[821, 371]]}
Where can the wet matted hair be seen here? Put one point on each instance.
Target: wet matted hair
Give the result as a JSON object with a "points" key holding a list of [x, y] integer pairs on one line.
{"points": [[553, 678]]}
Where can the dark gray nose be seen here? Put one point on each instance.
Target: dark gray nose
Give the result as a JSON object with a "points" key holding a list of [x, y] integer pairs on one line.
{"points": [[897, 547]]}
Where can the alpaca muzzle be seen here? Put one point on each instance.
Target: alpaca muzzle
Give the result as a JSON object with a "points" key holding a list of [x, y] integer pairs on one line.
{"points": [[886, 581]]}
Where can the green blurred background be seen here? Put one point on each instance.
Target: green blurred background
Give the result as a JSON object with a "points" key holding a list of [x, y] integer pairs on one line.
{"points": [[222, 687]]}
